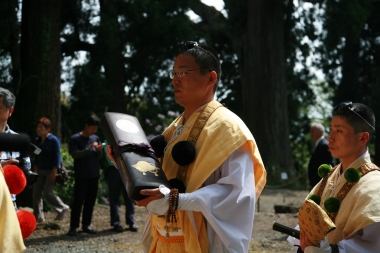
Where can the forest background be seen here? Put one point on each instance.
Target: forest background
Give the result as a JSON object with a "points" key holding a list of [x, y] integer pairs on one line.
{"points": [[114, 55]]}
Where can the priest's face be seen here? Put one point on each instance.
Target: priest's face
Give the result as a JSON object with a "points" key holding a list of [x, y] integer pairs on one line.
{"points": [[344, 143], [191, 88]]}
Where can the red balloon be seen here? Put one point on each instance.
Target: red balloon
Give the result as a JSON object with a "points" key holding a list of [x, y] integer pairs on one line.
{"points": [[27, 223], [15, 178]]}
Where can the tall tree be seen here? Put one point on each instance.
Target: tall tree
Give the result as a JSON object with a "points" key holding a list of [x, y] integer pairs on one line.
{"points": [[38, 93], [255, 31], [350, 53], [109, 41], [123, 55], [9, 43], [264, 85]]}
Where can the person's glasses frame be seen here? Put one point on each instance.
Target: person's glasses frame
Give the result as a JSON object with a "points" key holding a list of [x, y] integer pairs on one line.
{"points": [[179, 73], [344, 106]]}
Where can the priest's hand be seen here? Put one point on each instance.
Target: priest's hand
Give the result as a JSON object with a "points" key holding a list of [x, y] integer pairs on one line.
{"points": [[304, 241], [157, 201], [152, 194]]}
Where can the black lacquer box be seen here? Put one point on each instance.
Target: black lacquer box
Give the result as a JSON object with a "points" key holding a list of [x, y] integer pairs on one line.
{"points": [[138, 167]]}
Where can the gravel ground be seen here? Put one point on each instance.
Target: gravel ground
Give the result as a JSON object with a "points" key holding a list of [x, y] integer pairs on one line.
{"points": [[50, 236]]}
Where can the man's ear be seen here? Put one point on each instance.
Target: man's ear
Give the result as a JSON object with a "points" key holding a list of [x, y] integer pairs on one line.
{"points": [[364, 138], [212, 77], [11, 109]]}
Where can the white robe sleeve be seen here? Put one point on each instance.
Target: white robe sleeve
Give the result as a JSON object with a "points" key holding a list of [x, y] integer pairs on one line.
{"points": [[227, 201], [229, 204], [147, 239], [365, 240]]}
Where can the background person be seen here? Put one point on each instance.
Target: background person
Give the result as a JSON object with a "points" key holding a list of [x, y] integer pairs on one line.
{"points": [[86, 149], [224, 181], [357, 217], [115, 187], [46, 165], [320, 155], [7, 106]]}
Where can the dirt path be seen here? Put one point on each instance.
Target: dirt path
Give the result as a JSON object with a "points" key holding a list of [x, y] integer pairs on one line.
{"points": [[50, 236]]}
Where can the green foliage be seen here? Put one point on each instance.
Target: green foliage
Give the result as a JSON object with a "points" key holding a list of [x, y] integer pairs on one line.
{"points": [[66, 191], [347, 51]]}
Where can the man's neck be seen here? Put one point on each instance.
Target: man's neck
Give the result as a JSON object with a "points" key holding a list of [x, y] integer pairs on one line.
{"points": [[44, 137], [84, 134], [189, 111], [348, 162], [3, 127]]}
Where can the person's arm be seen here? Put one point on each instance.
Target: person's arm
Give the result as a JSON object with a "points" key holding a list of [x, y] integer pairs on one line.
{"points": [[57, 153], [99, 149], [75, 152], [365, 240], [56, 160], [80, 153], [228, 205]]}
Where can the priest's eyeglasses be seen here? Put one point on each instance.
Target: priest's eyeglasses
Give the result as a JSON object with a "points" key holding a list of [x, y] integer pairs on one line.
{"points": [[344, 107], [180, 73]]}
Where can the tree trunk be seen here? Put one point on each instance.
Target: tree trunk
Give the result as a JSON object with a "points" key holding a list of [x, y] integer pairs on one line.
{"points": [[109, 40], [349, 88], [264, 91], [14, 48], [38, 95], [39, 92]]}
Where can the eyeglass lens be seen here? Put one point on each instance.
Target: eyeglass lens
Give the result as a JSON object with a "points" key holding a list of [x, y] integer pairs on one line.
{"points": [[173, 73]]}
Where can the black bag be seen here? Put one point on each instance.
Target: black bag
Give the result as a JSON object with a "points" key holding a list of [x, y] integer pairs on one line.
{"points": [[137, 168], [62, 175]]}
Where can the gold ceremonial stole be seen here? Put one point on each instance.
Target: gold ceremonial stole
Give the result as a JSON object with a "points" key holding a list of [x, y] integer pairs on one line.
{"points": [[363, 170], [196, 130]]}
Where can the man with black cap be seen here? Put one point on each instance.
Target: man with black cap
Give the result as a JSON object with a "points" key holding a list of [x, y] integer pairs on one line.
{"points": [[349, 192], [210, 206]]}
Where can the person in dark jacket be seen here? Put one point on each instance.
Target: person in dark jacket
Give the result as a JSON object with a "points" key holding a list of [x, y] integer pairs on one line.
{"points": [[320, 155], [46, 165], [86, 149], [115, 187]]}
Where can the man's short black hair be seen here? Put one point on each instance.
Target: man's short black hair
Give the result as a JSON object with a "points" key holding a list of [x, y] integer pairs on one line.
{"points": [[357, 115], [93, 121], [205, 56], [9, 99]]}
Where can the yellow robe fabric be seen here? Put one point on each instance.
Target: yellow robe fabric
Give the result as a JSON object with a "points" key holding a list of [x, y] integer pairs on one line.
{"points": [[223, 133], [10, 232], [360, 207]]}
